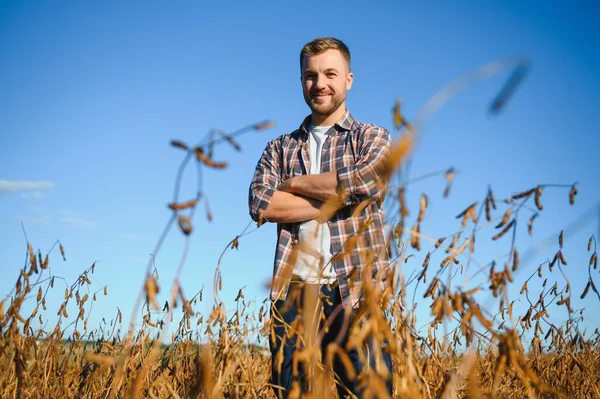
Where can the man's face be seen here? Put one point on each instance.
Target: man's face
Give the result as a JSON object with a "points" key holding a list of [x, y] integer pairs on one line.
{"points": [[325, 80]]}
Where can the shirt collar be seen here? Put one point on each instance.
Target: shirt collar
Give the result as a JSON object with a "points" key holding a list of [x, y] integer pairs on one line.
{"points": [[344, 123]]}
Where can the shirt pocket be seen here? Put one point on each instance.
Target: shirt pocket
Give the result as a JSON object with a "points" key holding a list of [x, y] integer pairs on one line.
{"points": [[293, 163], [344, 150]]}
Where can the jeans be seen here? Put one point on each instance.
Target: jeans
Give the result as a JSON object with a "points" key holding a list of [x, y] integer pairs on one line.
{"points": [[285, 312]]}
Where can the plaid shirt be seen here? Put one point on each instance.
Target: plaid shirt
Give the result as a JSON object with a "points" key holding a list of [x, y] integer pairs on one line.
{"points": [[351, 148]]}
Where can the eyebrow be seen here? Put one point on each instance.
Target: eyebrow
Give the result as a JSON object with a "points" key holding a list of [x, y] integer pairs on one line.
{"points": [[306, 71]]}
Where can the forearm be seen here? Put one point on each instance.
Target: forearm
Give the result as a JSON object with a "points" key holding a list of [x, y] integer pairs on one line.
{"points": [[290, 208], [320, 186]]}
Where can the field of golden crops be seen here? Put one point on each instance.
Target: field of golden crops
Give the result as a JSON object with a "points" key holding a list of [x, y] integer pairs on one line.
{"points": [[474, 344], [558, 361]]}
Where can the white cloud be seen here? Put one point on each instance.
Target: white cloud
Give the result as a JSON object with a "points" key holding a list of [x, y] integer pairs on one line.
{"points": [[33, 195], [34, 220], [77, 221], [24, 185]]}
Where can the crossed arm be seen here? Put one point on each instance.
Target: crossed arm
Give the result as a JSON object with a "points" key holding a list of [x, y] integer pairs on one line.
{"points": [[301, 197], [286, 207]]}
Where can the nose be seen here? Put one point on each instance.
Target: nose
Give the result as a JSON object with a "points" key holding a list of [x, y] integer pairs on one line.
{"points": [[319, 82]]}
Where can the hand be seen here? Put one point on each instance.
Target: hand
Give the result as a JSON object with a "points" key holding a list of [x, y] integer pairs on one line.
{"points": [[286, 185]]}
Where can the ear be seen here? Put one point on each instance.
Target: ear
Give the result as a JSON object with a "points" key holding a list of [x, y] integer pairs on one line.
{"points": [[349, 80]]}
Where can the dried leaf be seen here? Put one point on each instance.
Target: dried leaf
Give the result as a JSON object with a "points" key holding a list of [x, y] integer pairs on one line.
{"points": [[530, 223], [239, 295], [538, 194], [505, 218], [504, 230], [264, 125], [183, 205], [426, 260], [208, 161], [587, 288], [553, 261], [523, 288], [422, 207], [399, 120], [230, 140], [562, 258], [44, 264], [510, 87], [449, 176], [151, 288], [415, 239], [402, 198], [398, 153], [62, 251], [179, 144], [397, 230], [572, 194], [464, 213], [488, 212], [31, 254], [185, 225], [523, 194], [560, 239]]}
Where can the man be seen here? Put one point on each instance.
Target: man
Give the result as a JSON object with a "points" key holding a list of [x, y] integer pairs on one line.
{"points": [[322, 185]]}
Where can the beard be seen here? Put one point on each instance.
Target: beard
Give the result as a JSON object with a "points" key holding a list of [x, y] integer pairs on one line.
{"points": [[325, 108]]}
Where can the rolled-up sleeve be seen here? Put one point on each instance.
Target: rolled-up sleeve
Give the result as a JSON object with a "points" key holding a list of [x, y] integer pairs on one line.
{"points": [[360, 181], [265, 180]]}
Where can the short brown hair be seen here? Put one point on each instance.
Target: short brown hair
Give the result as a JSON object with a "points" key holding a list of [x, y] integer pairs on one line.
{"points": [[322, 44]]}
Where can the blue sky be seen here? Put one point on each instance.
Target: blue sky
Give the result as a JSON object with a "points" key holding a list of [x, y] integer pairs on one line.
{"points": [[92, 93]]}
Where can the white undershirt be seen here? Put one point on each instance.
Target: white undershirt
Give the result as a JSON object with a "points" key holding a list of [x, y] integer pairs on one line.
{"points": [[314, 258]]}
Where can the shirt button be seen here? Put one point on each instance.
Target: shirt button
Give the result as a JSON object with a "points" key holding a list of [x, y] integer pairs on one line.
{"points": [[295, 241]]}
